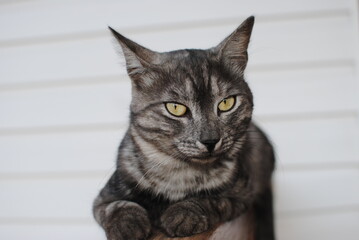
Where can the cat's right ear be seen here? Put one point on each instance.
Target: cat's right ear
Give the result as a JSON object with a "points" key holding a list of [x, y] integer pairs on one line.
{"points": [[138, 58]]}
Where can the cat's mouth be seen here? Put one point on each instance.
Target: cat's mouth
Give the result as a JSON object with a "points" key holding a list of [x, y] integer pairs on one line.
{"points": [[204, 160]]}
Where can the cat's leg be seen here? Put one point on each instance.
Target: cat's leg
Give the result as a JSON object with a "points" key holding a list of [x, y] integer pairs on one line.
{"points": [[263, 216], [195, 216], [122, 220]]}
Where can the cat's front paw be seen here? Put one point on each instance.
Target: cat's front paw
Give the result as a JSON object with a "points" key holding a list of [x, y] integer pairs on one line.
{"points": [[127, 223], [184, 219]]}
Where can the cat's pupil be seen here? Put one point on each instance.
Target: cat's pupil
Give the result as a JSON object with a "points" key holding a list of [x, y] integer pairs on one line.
{"points": [[225, 101], [175, 106]]}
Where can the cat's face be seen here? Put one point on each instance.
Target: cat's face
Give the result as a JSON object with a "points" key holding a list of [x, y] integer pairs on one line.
{"points": [[194, 110], [193, 105]]}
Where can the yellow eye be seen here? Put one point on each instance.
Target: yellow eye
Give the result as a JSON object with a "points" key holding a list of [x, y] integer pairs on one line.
{"points": [[226, 104], [176, 109]]}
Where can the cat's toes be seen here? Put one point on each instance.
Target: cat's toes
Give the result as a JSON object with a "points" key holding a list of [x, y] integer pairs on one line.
{"points": [[128, 223], [181, 221]]}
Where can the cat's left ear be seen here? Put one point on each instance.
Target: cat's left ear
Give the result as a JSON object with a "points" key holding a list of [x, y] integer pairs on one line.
{"points": [[138, 58], [233, 50]]}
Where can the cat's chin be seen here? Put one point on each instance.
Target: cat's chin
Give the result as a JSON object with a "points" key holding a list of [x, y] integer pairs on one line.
{"points": [[204, 160]]}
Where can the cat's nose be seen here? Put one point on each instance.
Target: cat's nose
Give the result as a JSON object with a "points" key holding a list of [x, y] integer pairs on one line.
{"points": [[210, 144]]}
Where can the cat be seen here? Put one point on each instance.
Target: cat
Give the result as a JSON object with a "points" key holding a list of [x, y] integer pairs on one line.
{"points": [[191, 158]]}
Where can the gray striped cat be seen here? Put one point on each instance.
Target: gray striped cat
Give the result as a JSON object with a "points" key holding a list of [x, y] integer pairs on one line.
{"points": [[191, 158]]}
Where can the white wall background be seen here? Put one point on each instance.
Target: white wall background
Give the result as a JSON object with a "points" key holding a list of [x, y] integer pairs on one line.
{"points": [[64, 105]]}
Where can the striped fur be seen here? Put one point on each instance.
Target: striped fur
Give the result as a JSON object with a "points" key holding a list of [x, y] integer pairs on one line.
{"points": [[166, 178]]}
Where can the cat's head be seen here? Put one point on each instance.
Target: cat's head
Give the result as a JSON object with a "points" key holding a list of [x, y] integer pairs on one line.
{"points": [[193, 105]]}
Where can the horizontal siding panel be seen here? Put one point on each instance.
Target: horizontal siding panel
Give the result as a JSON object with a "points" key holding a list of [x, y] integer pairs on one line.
{"points": [[54, 62], [295, 191], [329, 226], [88, 104], [53, 232], [94, 151], [304, 40], [273, 43], [306, 90], [298, 191], [329, 90], [61, 17], [60, 152], [50, 198], [316, 142]]}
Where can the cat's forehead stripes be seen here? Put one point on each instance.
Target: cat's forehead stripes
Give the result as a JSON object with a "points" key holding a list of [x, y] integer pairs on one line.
{"points": [[202, 77], [215, 86], [188, 84], [199, 99], [206, 88]]}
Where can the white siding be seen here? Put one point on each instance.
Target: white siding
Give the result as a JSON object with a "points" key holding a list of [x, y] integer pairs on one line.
{"points": [[64, 102]]}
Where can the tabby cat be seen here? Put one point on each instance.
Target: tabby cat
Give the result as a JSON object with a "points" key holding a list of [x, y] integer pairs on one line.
{"points": [[191, 158]]}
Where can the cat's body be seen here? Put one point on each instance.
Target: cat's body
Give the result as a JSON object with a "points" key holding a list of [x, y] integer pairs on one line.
{"points": [[191, 158]]}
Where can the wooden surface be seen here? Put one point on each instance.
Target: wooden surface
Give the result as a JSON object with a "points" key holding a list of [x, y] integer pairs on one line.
{"points": [[202, 236]]}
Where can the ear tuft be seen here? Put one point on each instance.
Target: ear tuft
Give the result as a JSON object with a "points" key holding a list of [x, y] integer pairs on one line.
{"points": [[112, 30]]}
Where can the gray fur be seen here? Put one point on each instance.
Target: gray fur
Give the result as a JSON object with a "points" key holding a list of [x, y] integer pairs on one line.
{"points": [[165, 171]]}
